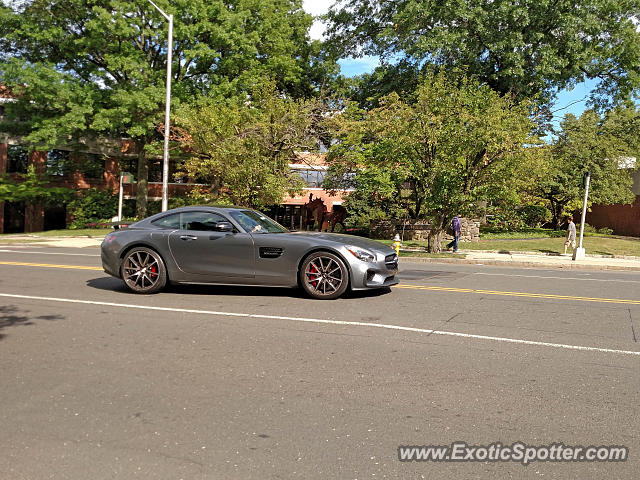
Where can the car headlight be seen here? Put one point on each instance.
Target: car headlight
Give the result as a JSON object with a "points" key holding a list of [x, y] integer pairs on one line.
{"points": [[364, 255]]}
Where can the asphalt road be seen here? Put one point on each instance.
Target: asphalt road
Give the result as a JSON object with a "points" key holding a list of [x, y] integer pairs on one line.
{"points": [[207, 382]]}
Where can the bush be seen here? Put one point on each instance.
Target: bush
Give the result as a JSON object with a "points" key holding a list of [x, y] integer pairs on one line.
{"points": [[534, 216], [93, 207], [591, 229]]}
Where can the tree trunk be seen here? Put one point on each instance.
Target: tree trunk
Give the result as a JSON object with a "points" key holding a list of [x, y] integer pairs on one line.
{"points": [[556, 215], [435, 241], [142, 191]]}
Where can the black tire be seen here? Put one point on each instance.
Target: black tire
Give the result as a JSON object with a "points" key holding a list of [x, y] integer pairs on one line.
{"points": [[143, 270], [324, 276]]}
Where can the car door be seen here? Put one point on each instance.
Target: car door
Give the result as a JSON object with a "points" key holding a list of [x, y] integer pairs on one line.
{"points": [[199, 249]]}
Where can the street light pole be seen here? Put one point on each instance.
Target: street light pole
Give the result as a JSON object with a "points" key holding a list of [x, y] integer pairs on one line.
{"points": [[165, 163], [579, 253]]}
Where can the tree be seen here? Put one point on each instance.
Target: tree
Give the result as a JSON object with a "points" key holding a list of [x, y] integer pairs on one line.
{"points": [[242, 150], [97, 67], [32, 188], [592, 143], [440, 153], [528, 48]]}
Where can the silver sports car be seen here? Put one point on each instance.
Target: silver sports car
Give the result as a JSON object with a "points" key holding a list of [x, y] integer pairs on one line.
{"points": [[239, 246]]}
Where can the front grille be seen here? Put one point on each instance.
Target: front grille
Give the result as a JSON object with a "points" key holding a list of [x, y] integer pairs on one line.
{"points": [[391, 261]]}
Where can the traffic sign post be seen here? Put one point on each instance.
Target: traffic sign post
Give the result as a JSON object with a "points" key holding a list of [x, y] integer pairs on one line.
{"points": [[125, 177]]}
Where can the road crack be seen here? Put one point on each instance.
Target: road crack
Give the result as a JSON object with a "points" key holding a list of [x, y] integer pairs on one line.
{"points": [[633, 332]]}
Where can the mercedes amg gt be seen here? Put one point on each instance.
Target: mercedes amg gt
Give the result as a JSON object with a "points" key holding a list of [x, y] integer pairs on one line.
{"points": [[240, 246]]}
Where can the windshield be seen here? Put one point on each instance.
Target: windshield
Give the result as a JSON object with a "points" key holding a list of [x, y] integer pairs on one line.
{"points": [[255, 222]]}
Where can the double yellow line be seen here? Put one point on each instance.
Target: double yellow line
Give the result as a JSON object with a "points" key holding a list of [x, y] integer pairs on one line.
{"points": [[50, 265], [521, 294], [406, 286]]}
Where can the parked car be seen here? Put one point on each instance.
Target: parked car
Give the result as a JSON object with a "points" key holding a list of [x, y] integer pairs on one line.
{"points": [[240, 246]]}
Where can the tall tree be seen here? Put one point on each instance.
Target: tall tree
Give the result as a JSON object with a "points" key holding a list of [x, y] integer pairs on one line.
{"points": [[590, 143], [439, 153], [97, 67], [527, 48], [242, 149]]}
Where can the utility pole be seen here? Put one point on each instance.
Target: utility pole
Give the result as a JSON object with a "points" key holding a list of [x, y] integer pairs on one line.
{"points": [[578, 253], [165, 163]]}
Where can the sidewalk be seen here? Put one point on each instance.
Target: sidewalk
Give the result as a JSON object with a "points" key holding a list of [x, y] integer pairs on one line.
{"points": [[69, 242], [534, 259]]}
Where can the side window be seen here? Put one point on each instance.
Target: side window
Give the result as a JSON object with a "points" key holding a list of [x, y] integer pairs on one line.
{"points": [[203, 221], [170, 221]]}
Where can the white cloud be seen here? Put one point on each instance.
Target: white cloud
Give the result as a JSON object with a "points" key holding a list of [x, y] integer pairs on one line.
{"points": [[317, 7]]}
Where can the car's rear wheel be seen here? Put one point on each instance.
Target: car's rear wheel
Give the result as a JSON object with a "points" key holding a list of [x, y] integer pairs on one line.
{"points": [[143, 270], [324, 276]]}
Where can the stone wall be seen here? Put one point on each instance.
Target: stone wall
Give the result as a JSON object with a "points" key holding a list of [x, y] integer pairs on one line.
{"points": [[469, 230]]}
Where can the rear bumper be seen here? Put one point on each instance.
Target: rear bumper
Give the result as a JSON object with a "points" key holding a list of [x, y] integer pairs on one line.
{"points": [[110, 261]]}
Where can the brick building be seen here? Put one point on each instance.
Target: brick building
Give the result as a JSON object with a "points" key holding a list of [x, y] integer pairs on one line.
{"points": [[98, 165]]}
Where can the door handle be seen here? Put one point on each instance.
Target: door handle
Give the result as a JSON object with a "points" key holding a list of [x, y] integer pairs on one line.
{"points": [[188, 238]]}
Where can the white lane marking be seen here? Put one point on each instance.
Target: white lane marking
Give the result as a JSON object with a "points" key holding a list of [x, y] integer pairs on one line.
{"points": [[51, 253], [330, 322], [557, 278]]}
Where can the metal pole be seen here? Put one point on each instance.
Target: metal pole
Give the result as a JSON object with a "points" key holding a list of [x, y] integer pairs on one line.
{"points": [[165, 163], [579, 253], [120, 200], [584, 207]]}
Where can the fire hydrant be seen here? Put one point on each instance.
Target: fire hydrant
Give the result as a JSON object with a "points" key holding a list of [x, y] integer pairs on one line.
{"points": [[396, 244]]}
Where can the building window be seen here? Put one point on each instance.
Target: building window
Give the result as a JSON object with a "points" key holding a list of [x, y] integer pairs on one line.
{"points": [[92, 165], [17, 159], [312, 178], [59, 163]]}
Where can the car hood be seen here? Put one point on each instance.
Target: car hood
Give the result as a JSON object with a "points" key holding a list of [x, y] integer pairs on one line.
{"points": [[345, 240]]}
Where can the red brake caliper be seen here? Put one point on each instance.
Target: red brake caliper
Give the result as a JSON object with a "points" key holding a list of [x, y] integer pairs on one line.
{"points": [[153, 271], [313, 269]]}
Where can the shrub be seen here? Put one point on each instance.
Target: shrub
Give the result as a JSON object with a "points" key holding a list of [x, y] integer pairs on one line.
{"points": [[534, 216], [92, 207]]}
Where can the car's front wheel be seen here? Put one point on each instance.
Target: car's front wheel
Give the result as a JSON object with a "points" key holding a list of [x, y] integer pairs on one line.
{"points": [[324, 276], [143, 270]]}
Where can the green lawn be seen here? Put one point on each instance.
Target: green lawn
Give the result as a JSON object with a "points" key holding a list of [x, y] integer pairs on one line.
{"points": [[85, 232], [593, 244]]}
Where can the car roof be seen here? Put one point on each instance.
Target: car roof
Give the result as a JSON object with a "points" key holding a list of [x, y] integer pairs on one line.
{"points": [[210, 208]]}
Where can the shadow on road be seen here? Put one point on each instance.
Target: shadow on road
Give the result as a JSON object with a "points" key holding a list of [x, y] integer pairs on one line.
{"points": [[11, 316], [108, 283], [116, 285]]}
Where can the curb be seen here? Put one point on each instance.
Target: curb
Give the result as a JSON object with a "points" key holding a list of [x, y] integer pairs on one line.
{"points": [[537, 254], [512, 263]]}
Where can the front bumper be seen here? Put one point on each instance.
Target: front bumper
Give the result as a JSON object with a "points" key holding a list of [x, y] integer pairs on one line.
{"points": [[381, 274]]}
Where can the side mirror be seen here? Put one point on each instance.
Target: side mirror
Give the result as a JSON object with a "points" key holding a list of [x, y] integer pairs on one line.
{"points": [[223, 227]]}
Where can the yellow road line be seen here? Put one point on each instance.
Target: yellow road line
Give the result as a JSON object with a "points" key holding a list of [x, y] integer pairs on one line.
{"points": [[50, 265], [522, 294], [407, 286]]}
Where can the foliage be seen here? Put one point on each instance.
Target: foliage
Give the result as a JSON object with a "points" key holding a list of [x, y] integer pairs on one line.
{"points": [[589, 143], [31, 187], [514, 217], [243, 149], [432, 158], [94, 68], [490, 232], [92, 206], [526, 48]]}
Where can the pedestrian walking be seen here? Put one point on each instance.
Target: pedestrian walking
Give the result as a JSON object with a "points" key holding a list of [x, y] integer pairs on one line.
{"points": [[455, 226], [571, 235]]}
